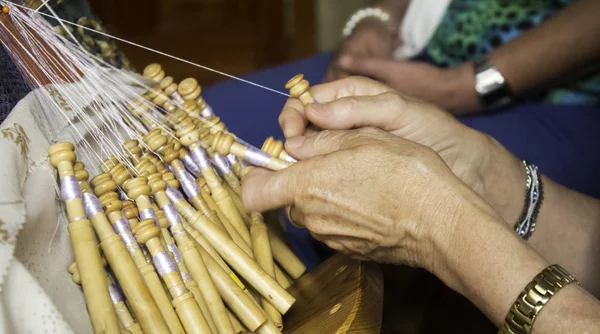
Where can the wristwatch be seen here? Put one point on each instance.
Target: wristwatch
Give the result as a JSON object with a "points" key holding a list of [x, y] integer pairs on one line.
{"points": [[490, 86]]}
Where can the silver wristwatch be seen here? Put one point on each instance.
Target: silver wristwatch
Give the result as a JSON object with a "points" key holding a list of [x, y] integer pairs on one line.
{"points": [[490, 86]]}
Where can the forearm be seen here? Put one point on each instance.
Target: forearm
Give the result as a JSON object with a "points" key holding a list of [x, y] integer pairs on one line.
{"points": [[551, 52], [568, 225], [490, 266]]}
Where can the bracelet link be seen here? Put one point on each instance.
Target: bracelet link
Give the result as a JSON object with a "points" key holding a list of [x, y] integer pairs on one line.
{"points": [[533, 298]]}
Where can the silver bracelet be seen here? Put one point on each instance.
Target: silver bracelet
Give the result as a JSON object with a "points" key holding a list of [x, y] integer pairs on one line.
{"points": [[361, 15], [534, 195]]}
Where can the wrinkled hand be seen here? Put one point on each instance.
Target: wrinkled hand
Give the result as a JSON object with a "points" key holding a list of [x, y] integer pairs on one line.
{"points": [[451, 89], [371, 38], [369, 194], [356, 102]]}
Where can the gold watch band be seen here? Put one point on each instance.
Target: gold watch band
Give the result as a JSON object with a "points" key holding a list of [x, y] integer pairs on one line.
{"points": [[536, 294]]}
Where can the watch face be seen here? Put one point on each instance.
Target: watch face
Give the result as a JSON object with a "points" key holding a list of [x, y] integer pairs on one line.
{"points": [[488, 81]]}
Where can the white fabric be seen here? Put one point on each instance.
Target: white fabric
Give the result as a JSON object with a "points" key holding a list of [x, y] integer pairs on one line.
{"points": [[421, 20], [37, 294]]}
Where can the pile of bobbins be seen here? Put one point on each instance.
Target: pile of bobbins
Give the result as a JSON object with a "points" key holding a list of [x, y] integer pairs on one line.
{"points": [[178, 251]]}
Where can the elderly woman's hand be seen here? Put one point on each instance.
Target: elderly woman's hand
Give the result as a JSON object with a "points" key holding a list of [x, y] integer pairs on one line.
{"points": [[355, 102], [372, 195]]}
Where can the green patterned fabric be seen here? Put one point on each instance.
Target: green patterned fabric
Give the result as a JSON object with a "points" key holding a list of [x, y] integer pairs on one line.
{"points": [[473, 28]]}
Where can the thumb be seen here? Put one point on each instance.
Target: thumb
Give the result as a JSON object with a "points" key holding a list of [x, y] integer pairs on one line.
{"points": [[382, 111], [376, 68], [321, 143], [264, 190]]}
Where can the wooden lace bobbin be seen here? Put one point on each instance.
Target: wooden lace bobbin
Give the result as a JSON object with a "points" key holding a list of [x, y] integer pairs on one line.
{"points": [[121, 262], [154, 71], [190, 137], [263, 256], [189, 89], [199, 203], [298, 87], [205, 194], [185, 305], [239, 301], [133, 150], [167, 84], [129, 324], [183, 300], [105, 188], [83, 240], [225, 171], [282, 253], [188, 280], [191, 256], [154, 140], [224, 144], [233, 295], [274, 148], [243, 264]]}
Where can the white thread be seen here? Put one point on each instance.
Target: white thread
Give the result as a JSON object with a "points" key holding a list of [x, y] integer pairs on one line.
{"points": [[157, 51]]}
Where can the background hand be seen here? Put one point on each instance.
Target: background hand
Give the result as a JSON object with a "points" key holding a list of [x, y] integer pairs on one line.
{"points": [[371, 38], [451, 89]]}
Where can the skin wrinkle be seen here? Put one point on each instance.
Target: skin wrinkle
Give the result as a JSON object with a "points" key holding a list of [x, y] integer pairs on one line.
{"points": [[395, 180]]}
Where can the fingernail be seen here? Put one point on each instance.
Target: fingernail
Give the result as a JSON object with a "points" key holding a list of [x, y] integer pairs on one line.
{"points": [[295, 142], [345, 61]]}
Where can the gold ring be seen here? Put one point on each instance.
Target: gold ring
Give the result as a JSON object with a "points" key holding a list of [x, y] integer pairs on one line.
{"points": [[288, 213]]}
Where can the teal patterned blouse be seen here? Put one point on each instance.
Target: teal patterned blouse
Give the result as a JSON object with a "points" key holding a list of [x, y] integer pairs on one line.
{"points": [[473, 28]]}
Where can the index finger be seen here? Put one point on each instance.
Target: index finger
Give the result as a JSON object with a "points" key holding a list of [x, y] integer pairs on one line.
{"points": [[349, 86], [293, 120]]}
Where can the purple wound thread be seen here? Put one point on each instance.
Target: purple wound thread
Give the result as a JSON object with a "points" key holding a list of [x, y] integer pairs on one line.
{"points": [[163, 263], [256, 157], [122, 228], [173, 194], [221, 164], [190, 165], [232, 158], [91, 204], [172, 215], [200, 157], [173, 249], [190, 188], [206, 112], [177, 97], [69, 188], [148, 214], [116, 295], [186, 277]]}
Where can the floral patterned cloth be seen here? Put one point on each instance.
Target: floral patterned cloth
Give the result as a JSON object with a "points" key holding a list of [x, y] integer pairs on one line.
{"points": [[37, 294]]}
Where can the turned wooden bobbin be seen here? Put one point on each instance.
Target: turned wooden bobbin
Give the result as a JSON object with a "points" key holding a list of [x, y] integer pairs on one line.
{"points": [[298, 87], [118, 301], [154, 71], [157, 142], [133, 149], [119, 173], [83, 240], [217, 313], [189, 89], [183, 300], [224, 144], [115, 249], [274, 148]]}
